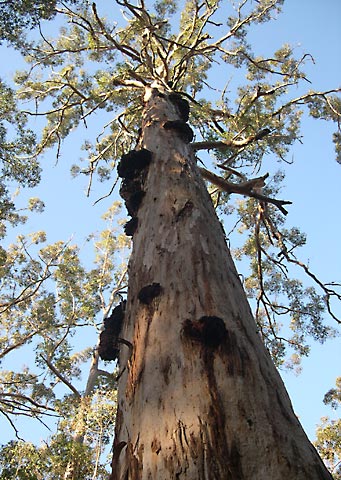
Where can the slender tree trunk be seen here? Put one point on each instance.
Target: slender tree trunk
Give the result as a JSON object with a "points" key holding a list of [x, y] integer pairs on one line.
{"points": [[78, 437], [199, 397]]}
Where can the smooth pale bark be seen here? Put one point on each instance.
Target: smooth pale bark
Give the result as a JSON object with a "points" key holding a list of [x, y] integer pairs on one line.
{"points": [[73, 467], [193, 405]]}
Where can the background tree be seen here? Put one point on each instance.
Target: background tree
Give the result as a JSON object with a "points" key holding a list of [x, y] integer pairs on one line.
{"points": [[262, 118], [328, 441], [17, 17], [46, 297]]}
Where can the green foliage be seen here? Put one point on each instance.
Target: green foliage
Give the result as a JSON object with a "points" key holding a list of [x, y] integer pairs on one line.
{"points": [[17, 165], [328, 108], [147, 50], [333, 396], [20, 15], [288, 314], [25, 461], [89, 81], [92, 420], [48, 298], [328, 434]]}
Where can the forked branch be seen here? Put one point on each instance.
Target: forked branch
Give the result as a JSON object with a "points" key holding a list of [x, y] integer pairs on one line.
{"points": [[249, 188]]}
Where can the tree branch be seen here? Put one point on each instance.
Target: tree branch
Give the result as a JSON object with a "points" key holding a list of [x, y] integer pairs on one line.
{"points": [[246, 188], [21, 342], [222, 144], [17, 397], [305, 99], [125, 49], [60, 376], [290, 258]]}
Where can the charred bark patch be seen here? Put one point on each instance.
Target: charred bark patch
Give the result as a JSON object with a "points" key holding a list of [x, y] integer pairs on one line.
{"points": [[213, 331], [133, 162], [181, 104], [134, 202], [131, 226], [209, 330], [147, 294], [132, 193], [182, 129], [249, 422], [108, 348]]}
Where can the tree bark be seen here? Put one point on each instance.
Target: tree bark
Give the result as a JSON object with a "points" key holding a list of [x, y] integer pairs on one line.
{"points": [[199, 396]]}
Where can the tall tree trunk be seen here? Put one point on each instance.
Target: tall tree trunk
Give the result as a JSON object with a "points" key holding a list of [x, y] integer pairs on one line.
{"points": [[199, 396]]}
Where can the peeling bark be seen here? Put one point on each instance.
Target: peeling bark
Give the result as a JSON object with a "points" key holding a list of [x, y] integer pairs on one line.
{"points": [[199, 397]]}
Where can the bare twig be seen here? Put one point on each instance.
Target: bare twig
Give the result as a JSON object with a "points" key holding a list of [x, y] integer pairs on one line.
{"points": [[290, 258], [125, 49]]}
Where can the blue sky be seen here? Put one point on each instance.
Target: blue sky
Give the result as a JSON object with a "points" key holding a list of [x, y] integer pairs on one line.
{"points": [[313, 184]]}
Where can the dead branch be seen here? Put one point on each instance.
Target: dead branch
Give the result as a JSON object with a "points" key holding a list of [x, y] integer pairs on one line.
{"points": [[247, 188], [223, 144]]}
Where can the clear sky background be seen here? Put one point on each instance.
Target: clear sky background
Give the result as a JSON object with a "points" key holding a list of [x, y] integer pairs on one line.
{"points": [[312, 183]]}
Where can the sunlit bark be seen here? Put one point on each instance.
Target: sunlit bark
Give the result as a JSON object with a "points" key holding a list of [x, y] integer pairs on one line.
{"points": [[199, 396]]}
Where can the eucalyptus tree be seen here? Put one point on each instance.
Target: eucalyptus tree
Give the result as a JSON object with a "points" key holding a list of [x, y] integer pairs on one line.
{"points": [[19, 16], [47, 297], [198, 394], [328, 434], [16, 144]]}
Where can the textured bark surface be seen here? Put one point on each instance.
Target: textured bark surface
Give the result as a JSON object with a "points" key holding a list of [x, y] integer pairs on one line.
{"points": [[199, 397]]}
